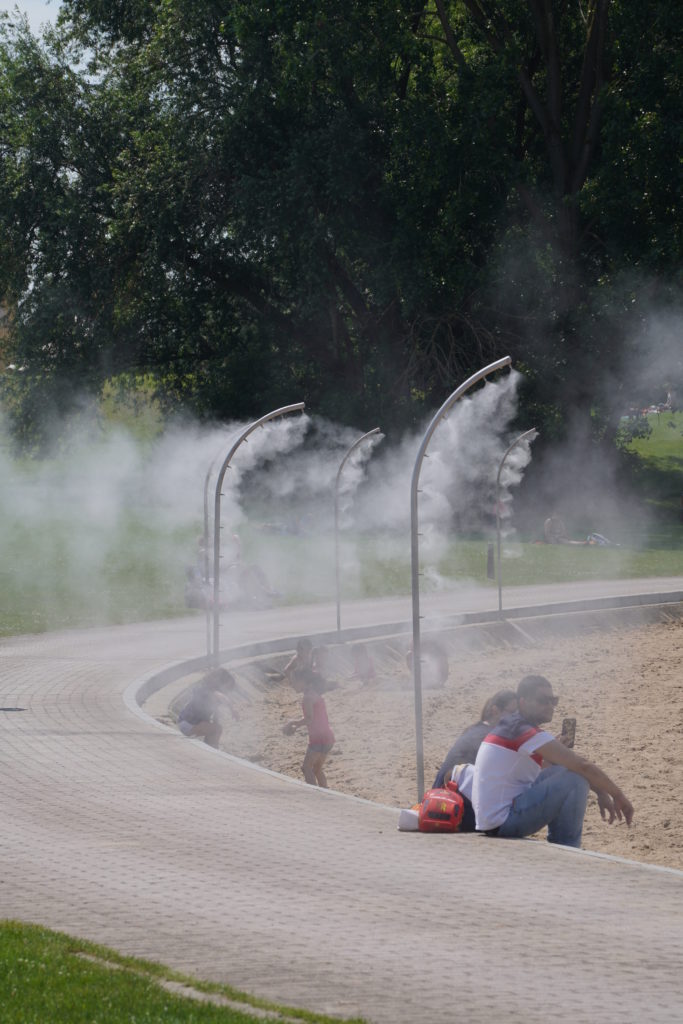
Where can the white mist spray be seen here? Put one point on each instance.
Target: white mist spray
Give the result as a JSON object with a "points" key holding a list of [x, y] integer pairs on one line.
{"points": [[110, 526]]}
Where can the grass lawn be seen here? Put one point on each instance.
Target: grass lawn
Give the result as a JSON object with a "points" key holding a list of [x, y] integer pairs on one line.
{"points": [[658, 465], [57, 576], [49, 592], [63, 579], [524, 564], [50, 978], [662, 450]]}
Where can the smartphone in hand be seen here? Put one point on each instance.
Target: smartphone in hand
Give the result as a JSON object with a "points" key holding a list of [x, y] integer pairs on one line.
{"points": [[568, 733]]}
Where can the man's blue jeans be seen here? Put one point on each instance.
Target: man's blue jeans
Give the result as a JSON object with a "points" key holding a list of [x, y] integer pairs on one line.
{"points": [[557, 799]]}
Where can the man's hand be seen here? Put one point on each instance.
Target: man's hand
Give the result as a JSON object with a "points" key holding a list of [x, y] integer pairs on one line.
{"points": [[617, 807], [623, 806], [606, 805], [556, 753]]}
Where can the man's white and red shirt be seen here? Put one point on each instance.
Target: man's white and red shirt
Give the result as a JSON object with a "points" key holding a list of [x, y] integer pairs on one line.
{"points": [[506, 765]]}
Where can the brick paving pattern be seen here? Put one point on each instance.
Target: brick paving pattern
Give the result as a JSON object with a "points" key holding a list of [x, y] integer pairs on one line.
{"points": [[131, 836]]}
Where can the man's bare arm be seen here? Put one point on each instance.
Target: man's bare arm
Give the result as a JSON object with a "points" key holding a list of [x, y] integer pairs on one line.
{"points": [[555, 752]]}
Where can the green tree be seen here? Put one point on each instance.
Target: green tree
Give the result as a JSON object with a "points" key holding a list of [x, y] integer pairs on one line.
{"points": [[56, 139], [280, 204], [259, 202], [593, 115]]}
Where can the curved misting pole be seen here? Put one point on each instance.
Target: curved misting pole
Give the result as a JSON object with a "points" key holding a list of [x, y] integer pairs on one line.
{"points": [[206, 553], [217, 515], [207, 479], [352, 449], [415, 559], [528, 435]]}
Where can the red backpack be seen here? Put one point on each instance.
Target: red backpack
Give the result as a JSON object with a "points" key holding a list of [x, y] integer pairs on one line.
{"points": [[441, 810]]}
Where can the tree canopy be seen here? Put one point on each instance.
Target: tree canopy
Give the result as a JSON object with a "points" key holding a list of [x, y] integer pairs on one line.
{"points": [[258, 203]]}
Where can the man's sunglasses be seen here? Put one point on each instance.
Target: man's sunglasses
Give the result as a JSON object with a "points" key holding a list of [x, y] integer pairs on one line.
{"points": [[544, 698]]}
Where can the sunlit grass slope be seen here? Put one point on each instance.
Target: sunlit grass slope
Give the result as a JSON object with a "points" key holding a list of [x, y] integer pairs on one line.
{"points": [[50, 978]]}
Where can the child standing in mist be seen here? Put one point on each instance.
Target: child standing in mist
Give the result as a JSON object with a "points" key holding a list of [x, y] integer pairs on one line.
{"points": [[299, 662], [320, 735]]}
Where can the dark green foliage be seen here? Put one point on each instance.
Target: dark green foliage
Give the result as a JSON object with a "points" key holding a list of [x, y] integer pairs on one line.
{"points": [[258, 203]]}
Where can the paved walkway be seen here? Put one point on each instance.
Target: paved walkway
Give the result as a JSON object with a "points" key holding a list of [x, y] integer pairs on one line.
{"points": [[131, 836]]}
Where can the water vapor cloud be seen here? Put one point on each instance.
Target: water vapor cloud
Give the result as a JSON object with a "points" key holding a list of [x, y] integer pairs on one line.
{"points": [[109, 509]]}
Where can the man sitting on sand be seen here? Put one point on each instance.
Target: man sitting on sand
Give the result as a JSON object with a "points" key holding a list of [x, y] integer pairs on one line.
{"points": [[515, 795]]}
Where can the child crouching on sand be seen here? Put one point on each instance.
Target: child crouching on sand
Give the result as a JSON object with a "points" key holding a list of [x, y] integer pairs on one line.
{"points": [[320, 735], [201, 715]]}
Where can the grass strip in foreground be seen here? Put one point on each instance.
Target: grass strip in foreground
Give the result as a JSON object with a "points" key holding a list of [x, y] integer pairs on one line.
{"points": [[48, 976]]}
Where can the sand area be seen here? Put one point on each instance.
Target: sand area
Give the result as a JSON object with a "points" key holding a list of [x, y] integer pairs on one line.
{"points": [[624, 686]]}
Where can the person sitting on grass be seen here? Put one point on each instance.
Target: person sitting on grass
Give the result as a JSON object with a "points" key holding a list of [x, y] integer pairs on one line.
{"points": [[200, 717], [555, 532]]}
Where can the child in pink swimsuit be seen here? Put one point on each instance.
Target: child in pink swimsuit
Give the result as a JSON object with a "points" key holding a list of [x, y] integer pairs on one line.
{"points": [[320, 735]]}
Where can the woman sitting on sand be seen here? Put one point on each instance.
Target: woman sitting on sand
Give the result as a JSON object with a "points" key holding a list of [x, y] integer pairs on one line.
{"points": [[464, 750]]}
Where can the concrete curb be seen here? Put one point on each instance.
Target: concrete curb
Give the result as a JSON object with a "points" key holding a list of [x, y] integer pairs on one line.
{"points": [[141, 691], [654, 606], [138, 839]]}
